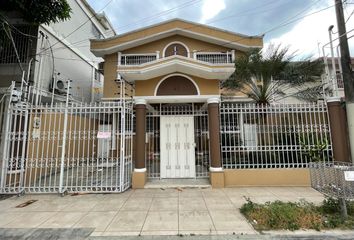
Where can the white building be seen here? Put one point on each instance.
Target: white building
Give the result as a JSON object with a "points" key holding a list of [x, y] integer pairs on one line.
{"points": [[52, 54]]}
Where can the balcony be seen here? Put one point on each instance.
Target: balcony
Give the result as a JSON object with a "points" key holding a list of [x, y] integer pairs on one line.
{"points": [[209, 65]]}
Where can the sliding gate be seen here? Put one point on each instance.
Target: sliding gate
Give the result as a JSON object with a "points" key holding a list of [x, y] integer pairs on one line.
{"points": [[67, 147]]}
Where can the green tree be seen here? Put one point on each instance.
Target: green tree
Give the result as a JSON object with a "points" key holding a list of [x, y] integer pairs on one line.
{"points": [[264, 75], [34, 12], [37, 12]]}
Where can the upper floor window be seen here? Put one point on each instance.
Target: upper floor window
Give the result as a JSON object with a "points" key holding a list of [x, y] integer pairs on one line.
{"points": [[176, 48]]}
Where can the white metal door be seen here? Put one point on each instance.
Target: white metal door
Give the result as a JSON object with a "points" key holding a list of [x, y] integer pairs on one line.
{"points": [[177, 147]]}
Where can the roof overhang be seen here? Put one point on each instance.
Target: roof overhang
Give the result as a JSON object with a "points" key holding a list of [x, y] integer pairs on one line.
{"points": [[175, 31]]}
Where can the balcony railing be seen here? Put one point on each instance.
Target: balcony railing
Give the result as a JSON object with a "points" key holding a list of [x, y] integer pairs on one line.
{"points": [[209, 57], [214, 57], [137, 59]]}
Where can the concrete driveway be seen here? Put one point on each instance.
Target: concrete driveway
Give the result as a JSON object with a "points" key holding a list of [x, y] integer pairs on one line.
{"points": [[147, 211]]}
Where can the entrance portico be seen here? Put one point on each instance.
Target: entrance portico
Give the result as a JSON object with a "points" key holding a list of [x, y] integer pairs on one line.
{"points": [[178, 151]]}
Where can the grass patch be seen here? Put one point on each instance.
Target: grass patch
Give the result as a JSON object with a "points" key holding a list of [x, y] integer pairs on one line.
{"points": [[300, 215]]}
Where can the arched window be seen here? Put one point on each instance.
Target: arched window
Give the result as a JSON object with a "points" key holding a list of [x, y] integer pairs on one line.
{"points": [[176, 85], [176, 48]]}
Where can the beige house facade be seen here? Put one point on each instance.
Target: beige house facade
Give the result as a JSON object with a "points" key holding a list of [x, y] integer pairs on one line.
{"points": [[173, 72]]}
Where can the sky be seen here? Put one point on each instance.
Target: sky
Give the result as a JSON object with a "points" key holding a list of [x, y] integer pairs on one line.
{"points": [[300, 24]]}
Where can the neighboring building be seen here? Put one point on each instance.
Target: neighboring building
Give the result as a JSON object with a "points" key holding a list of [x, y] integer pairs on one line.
{"points": [[327, 76], [175, 68], [52, 54]]}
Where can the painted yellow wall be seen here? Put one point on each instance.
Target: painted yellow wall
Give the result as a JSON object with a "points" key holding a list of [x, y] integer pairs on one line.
{"points": [[147, 87], [192, 44], [110, 88], [267, 177]]}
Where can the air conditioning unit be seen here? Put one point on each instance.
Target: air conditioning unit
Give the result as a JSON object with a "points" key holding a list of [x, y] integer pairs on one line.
{"points": [[60, 84]]}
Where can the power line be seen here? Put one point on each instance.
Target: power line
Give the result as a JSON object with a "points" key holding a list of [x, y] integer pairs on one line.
{"points": [[241, 38], [217, 20], [349, 16], [76, 29], [162, 13], [296, 19]]}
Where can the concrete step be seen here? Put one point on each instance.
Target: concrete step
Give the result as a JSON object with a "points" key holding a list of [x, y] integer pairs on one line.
{"points": [[178, 183]]}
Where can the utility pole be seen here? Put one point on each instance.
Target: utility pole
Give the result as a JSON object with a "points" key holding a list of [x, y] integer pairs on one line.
{"points": [[348, 74]]}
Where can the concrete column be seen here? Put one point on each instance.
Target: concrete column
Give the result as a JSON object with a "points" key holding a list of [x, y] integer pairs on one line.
{"points": [[195, 54], [139, 174], [216, 171], [119, 58], [339, 133], [233, 55]]}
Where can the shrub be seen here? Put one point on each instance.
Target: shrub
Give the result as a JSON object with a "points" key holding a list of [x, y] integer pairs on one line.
{"points": [[280, 215]]}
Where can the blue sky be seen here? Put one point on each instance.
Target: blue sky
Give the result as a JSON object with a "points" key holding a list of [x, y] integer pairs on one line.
{"points": [[252, 17]]}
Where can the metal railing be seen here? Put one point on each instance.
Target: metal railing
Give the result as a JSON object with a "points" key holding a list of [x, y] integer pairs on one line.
{"points": [[333, 179], [274, 136], [201, 139], [214, 58], [210, 57], [138, 59], [72, 147]]}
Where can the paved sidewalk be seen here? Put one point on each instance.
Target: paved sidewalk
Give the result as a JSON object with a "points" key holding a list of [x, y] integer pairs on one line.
{"points": [[148, 211]]}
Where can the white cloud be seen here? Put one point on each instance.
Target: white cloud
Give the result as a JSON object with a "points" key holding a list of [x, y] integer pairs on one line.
{"points": [[308, 32], [211, 8]]}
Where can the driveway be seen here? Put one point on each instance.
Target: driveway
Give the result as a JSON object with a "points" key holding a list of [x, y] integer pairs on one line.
{"points": [[147, 211]]}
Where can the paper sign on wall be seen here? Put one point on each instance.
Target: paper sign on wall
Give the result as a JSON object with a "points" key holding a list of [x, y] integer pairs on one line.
{"points": [[349, 175], [104, 135]]}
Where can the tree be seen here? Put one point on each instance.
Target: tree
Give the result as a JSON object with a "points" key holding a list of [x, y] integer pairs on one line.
{"points": [[263, 76], [38, 12], [32, 11]]}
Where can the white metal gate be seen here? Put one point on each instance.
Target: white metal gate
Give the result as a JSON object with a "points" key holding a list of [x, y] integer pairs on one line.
{"points": [[63, 147], [200, 131], [177, 147]]}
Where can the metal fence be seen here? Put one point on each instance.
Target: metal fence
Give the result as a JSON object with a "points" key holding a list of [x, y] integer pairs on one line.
{"points": [[67, 147], [274, 136], [333, 179], [199, 112]]}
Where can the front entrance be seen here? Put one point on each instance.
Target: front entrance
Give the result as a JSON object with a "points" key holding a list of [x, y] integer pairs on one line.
{"points": [[177, 147]]}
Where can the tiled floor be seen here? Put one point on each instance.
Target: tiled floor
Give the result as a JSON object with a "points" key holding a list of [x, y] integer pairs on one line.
{"points": [[148, 211]]}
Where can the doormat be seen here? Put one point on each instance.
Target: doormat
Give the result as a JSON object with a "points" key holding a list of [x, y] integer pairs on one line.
{"points": [[25, 204]]}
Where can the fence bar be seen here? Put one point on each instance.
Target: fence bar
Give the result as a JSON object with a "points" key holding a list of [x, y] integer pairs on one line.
{"points": [[274, 136]]}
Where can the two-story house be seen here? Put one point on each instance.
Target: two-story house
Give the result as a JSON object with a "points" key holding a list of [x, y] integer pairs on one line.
{"points": [[175, 69]]}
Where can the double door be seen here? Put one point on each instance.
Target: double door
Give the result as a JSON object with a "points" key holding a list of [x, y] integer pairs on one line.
{"points": [[177, 147]]}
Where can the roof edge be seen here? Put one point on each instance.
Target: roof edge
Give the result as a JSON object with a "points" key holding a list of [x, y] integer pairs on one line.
{"points": [[172, 20]]}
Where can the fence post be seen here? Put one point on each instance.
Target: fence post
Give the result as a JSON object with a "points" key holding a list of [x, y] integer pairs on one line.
{"points": [[216, 171], [4, 144], [337, 121], [63, 147], [139, 174], [24, 153]]}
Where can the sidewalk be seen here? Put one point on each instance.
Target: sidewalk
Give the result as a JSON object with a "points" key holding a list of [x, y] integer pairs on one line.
{"points": [[148, 211]]}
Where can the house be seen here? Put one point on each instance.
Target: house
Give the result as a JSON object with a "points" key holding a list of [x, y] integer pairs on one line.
{"points": [[50, 55], [163, 115], [175, 68]]}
